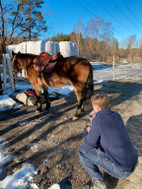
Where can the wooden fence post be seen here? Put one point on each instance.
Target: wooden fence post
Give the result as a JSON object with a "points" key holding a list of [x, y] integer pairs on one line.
{"points": [[113, 67], [7, 63], [10, 72]]}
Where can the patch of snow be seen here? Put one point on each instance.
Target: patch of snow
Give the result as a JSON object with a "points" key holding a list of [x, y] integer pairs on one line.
{"points": [[33, 147], [6, 103], [21, 177], [65, 90], [55, 186]]}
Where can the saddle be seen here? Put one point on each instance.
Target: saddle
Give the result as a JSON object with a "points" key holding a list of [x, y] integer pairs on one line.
{"points": [[46, 62]]}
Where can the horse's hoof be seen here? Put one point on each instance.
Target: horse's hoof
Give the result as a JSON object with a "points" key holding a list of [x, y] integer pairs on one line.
{"points": [[75, 118], [37, 111]]}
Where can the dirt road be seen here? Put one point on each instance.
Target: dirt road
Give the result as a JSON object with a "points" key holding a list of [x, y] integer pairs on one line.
{"points": [[50, 140]]}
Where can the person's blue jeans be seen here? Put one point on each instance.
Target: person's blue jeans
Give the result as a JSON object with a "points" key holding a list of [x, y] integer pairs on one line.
{"points": [[91, 159]]}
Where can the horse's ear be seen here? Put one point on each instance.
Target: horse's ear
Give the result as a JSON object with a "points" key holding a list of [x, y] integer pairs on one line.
{"points": [[13, 53], [19, 52]]}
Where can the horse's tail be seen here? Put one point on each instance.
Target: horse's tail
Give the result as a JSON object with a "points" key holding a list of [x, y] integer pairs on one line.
{"points": [[88, 89]]}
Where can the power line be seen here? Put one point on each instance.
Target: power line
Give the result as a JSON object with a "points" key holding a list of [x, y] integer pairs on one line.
{"points": [[85, 8], [82, 6], [112, 16], [132, 13], [125, 15]]}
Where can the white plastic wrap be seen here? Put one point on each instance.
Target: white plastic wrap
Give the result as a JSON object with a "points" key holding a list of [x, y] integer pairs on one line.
{"points": [[50, 47], [36, 47], [67, 48]]}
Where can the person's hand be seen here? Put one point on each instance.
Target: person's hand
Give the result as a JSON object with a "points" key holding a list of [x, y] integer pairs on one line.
{"points": [[91, 115], [88, 129]]}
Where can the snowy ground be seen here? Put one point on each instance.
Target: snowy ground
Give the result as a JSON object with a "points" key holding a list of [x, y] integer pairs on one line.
{"points": [[21, 177]]}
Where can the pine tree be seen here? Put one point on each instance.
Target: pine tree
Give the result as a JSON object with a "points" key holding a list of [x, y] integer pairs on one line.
{"points": [[34, 22]]}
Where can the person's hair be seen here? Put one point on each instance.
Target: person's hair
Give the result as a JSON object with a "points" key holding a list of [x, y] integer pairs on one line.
{"points": [[101, 99]]}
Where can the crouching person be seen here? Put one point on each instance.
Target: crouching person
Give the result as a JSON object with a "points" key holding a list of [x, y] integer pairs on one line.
{"points": [[106, 144]]}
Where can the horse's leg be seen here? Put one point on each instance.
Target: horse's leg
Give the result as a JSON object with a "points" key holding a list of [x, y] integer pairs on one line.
{"points": [[39, 100], [83, 86], [79, 88], [45, 90], [37, 87]]}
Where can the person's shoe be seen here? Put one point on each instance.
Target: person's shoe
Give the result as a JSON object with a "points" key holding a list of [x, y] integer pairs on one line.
{"points": [[98, 184]]}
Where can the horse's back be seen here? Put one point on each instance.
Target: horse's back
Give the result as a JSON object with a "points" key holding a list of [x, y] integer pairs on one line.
{"points": [[79, 64], [76, 60]]}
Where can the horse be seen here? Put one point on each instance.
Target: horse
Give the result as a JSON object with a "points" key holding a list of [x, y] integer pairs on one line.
{"points": [[75, 70]]}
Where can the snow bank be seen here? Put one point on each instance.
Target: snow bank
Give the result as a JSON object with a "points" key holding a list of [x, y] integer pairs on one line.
{"points": [[6, 103]]}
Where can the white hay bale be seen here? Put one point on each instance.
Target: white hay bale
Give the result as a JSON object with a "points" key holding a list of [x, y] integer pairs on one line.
{"points": [[23, 47], [49, 47], [18, 48], [57, 47], [67, 48], [34, 47], [74, 49], [10, 48]]}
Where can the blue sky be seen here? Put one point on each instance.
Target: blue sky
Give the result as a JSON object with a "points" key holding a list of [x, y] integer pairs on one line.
{"points": [[125, 15]]}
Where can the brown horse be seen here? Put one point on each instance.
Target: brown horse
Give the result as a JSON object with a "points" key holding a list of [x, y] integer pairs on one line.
{"points": [[78, 71]]}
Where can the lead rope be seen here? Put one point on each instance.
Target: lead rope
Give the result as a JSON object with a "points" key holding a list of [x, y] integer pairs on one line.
{"points": [[8, 84]]}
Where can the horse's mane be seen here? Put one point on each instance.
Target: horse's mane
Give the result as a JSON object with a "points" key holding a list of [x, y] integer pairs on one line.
{"points": [[26, 55]]}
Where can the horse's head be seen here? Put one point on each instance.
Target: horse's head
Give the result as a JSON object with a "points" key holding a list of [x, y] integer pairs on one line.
{"points": [[16, 63]]}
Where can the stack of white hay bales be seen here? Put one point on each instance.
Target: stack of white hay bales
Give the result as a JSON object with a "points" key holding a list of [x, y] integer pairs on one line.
{"points": [[36, 47]]}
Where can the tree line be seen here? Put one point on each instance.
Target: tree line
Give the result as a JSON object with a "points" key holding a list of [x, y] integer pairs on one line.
{"points": [[95, 42]]}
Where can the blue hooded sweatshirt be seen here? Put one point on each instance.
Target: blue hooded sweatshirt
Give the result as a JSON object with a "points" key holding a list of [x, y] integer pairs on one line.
{"points": [[108, 131]]}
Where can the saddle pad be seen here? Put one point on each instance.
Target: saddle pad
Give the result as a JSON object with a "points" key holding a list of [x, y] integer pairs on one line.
{"points": [[30, 92]]}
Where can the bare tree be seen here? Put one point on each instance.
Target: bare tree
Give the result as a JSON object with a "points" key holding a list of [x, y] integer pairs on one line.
{"points": [[101, 31], [131, 41], [11, 22], [76, 36], [21, 20], [2, 28]]}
